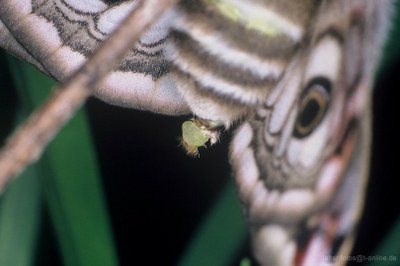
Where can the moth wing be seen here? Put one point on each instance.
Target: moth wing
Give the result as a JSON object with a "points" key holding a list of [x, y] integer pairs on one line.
{"points": [[302, 183], [58, 36]]}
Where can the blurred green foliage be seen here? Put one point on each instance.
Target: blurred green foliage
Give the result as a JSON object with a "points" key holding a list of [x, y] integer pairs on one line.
{"points": [[68, 176]]}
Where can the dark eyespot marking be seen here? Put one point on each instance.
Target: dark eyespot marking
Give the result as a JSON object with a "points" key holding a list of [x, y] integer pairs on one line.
{"points": [[314, 103]]}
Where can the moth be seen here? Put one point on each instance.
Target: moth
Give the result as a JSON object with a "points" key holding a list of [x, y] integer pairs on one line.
{"points": [[293, 76]]}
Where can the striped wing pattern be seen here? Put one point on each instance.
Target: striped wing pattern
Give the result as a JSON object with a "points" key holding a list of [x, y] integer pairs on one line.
{"points": [[224, 74], [57, 36], [297, 73]]}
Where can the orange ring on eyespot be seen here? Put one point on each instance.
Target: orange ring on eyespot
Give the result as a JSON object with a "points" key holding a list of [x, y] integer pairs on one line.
{"points": [[313, 107]]}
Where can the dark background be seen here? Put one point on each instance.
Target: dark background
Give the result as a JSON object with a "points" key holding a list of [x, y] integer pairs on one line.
{"points": [[382, 206], [157, 194]]}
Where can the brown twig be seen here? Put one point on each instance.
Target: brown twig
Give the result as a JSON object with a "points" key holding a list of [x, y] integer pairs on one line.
{"points": [[27, 143]]}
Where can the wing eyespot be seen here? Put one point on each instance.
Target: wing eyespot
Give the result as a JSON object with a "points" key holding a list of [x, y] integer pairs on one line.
{"points": [[314, 103]]}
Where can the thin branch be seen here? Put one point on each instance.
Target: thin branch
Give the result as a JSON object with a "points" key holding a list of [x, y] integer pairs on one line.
{"points": [[27, 143]]}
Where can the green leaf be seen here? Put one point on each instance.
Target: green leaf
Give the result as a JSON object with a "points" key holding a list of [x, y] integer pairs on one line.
{"points": [[20, 214], [71, 181], [221, 234], [392, 47], [21, 204], [388, 252]]}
